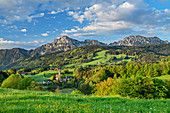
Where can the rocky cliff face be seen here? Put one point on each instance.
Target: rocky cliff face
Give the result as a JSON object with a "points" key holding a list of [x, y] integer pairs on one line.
{"points": [[139, 40], [62, 44]]}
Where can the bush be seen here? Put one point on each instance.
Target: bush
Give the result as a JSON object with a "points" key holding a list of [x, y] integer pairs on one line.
{"points": [[34, 86], [66, 71], [68, 85], [58, 90], [25, 82], [76, 92], [12, 81], [86, 88]]}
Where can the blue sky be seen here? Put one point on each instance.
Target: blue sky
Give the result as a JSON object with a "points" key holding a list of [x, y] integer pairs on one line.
{"points": [[31, 23]]}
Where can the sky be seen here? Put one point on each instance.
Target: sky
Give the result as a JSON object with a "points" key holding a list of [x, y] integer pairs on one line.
{"points": [[30, 23]]}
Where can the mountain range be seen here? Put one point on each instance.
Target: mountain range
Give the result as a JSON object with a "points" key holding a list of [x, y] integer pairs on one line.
{"points": [[65, 43], [139, 40]]}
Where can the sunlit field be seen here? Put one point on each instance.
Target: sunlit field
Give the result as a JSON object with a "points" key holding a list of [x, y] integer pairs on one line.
{"points": [[20, 101]]}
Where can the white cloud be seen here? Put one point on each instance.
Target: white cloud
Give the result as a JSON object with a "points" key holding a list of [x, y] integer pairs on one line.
{"points": [[44, 34], [55, 12], [70, 31], [7, 44], [12, 27], [24, 30], [117, 16], [131, 16], [20, 10], [35, 16], [83, 34]]}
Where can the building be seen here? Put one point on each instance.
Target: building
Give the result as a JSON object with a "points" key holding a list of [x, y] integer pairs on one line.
{"points": [[21, 73]]}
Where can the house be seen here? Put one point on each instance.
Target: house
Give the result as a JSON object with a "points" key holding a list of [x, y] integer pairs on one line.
{"points": [[63, 79], [68, 78], [98, 62], [21, 73], [47, 81]]}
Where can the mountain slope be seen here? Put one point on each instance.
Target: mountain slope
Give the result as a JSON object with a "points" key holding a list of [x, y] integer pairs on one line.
{"points": [[139, 40], [63, 44], [12, 55], [86, 54], [9, 57]]}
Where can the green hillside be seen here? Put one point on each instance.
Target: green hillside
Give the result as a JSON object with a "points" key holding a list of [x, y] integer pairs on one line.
{"points": [[39, 77], [20, 101], [93, 53], [103, 58]]}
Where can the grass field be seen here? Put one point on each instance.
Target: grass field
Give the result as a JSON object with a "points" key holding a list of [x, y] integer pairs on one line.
{"points": [[164, 77], [103, 58], [19, 101]]}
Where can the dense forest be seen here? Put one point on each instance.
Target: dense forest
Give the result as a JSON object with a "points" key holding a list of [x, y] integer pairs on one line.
{"points": [[133, 80]]}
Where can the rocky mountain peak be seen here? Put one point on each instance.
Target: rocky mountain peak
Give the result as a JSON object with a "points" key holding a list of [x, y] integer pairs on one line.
{"points": [[138, 40], [62, 44], [63, 40]]}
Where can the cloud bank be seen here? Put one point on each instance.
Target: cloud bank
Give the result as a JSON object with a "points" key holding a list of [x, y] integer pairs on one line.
{"points": [[18, 44], [124, 18]]}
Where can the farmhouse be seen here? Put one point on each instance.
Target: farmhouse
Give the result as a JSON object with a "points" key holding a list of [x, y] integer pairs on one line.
{"points": [[21, 73], [47, 81], [63, 79]]}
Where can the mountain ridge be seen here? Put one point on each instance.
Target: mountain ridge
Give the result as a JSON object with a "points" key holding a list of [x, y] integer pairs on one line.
{"points": [[139, 40], [65, 43]]}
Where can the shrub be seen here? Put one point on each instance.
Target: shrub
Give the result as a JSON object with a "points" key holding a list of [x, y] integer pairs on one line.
{"points": [[58, 90], [12, 81], [68, 85], [66, 71], [34, 86], [86, 88], [25, 82], [76, 92]]}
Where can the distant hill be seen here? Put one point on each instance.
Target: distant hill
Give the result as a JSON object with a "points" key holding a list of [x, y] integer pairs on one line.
{"points": [[9, 57], [12, 55], [139, 40], [62, 44], [85, 54]]}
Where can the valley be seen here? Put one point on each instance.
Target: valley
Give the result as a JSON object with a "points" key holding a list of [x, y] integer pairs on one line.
{"points": [[116, 78]]}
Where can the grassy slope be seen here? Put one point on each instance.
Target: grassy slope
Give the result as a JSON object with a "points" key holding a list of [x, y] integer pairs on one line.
{"points": [[164, 77], [48, 74], [19, 101], [153, 52], [102, 57], [40, 78]]}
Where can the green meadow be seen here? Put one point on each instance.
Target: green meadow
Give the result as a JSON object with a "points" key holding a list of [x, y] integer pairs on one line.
{"points": [[103, 58], [39, 77], [20, 101]]}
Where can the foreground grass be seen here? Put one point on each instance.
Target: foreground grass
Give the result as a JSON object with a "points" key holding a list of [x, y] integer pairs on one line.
{"points": [[33, 101], [167, 77]]}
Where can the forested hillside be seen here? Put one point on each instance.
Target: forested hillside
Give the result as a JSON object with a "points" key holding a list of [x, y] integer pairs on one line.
{"points": [[85, 54], [140, 80]]}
